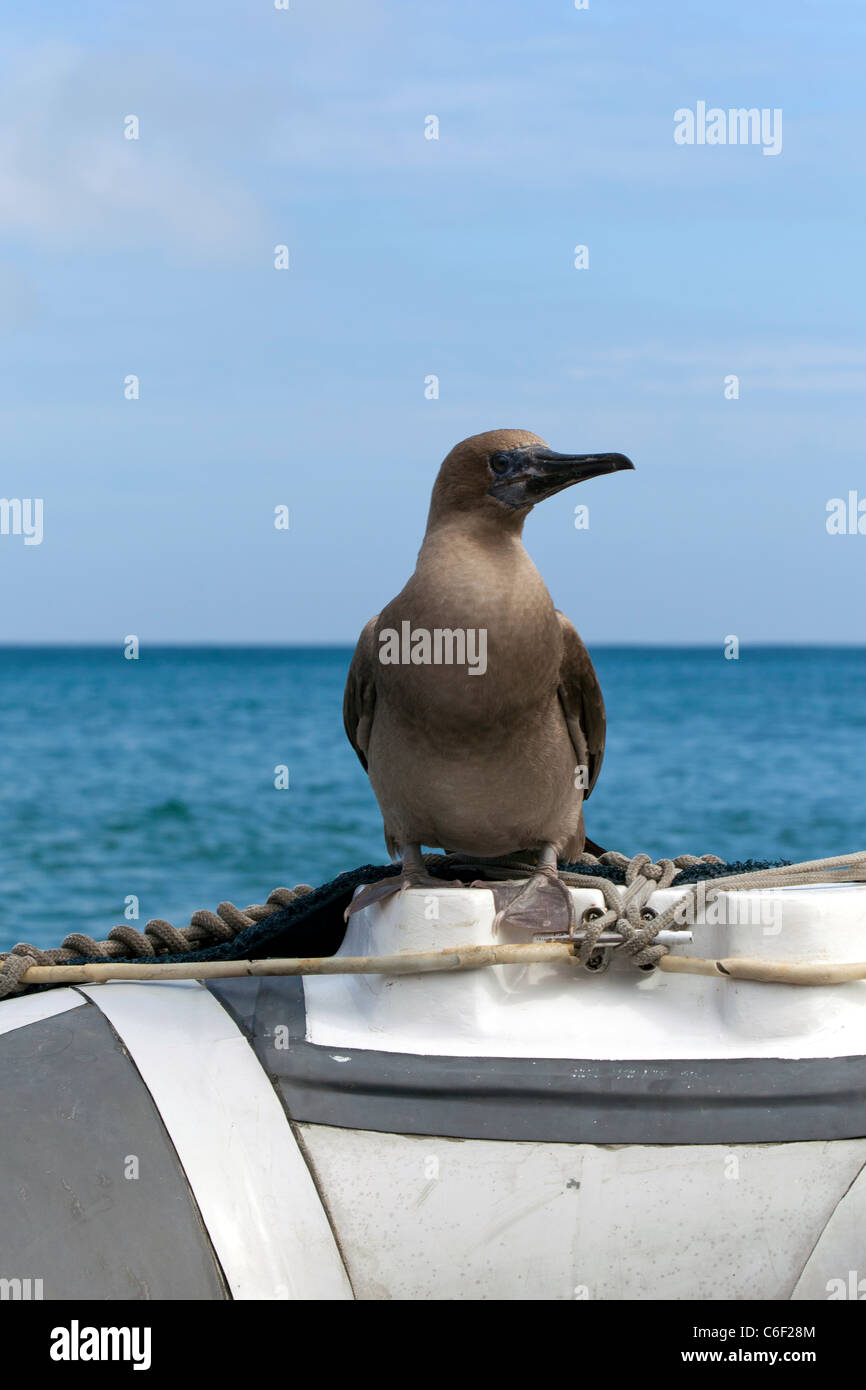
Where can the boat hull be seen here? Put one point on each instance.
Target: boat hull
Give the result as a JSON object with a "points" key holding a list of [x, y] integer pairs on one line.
{"points": [[181, 1142]]}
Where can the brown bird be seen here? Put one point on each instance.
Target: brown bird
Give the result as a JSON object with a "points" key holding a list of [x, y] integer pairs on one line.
{"points": [[471, 701]]}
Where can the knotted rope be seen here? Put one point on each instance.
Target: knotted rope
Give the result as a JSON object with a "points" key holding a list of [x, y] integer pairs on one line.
{"points": [[625, 912], [626, 909], [159, 938]]}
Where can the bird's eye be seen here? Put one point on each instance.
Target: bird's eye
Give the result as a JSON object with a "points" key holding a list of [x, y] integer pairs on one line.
{"points": [[499, 463]]}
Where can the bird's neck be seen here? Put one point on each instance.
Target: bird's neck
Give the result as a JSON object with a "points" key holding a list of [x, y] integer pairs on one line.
{"points": [[462, 555], [481, 578], [494, 532]]}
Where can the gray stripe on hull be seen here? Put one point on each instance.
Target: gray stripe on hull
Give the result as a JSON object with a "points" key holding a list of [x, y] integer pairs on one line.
{"points": [[74, 1109], [553, 1100]]}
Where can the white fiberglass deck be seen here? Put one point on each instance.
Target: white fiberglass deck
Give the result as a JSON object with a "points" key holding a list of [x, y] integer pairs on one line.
{"points": [[561, 1011]]}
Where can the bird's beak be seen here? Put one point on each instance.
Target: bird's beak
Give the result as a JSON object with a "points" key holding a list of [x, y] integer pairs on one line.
{"points": [[527, 475]]}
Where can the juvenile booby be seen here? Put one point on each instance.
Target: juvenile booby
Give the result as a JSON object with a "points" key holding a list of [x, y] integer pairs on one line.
{"points": [[471, 701]]}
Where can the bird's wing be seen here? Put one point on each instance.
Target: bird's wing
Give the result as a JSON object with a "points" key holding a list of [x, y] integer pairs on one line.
{"points": [[359, 700], [582, 705]]}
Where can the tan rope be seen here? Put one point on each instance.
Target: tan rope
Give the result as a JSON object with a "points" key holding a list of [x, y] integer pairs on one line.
{"points": [[625, 909], [627, 912], [159, 938], [452, 958]]}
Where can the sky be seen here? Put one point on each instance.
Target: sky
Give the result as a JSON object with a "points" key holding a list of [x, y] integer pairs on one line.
{"points": [[409, 258]]}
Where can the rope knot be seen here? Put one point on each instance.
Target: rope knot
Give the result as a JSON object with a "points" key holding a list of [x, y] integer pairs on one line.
{"points": [[627, 914], [642, 867]]}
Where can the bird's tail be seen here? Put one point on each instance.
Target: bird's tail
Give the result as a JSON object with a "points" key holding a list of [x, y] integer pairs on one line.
{"points": [[592, 848]]}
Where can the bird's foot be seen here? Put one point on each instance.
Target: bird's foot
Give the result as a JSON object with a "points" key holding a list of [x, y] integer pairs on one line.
{"points": [[543, 905], [373, 893], [413, 875]]}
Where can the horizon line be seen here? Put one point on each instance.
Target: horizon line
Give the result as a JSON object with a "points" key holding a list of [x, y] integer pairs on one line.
{"points": [[349, 645]]}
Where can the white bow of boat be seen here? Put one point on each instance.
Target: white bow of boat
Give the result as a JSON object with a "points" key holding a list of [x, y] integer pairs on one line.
{"points": [[528, 1129]]}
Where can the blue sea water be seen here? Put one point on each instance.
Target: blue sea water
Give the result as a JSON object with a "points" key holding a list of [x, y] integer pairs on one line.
{"points": [[155, 777]]}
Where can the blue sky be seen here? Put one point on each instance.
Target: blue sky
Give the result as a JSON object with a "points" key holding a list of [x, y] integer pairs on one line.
{"points": [[412, 257]]}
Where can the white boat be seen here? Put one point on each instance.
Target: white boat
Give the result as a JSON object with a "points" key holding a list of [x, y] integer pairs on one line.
{"points": [[510, 1132]]}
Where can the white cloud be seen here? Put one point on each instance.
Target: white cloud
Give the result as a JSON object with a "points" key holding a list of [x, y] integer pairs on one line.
{"points": [[70, 180]]}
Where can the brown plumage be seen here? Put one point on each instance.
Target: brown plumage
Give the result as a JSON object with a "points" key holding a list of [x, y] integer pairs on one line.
{"points": [[486, 763]]}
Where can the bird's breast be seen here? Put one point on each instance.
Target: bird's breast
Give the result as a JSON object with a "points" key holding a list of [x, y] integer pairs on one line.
{"points": [[469, 643], [465, 677]]}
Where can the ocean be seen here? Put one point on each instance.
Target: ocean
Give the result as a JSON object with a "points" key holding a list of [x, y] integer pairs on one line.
{"points": [[154, 779]]}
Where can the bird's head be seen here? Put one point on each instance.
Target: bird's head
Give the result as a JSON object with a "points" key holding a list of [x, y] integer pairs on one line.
{"points": [[505, 472]]}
